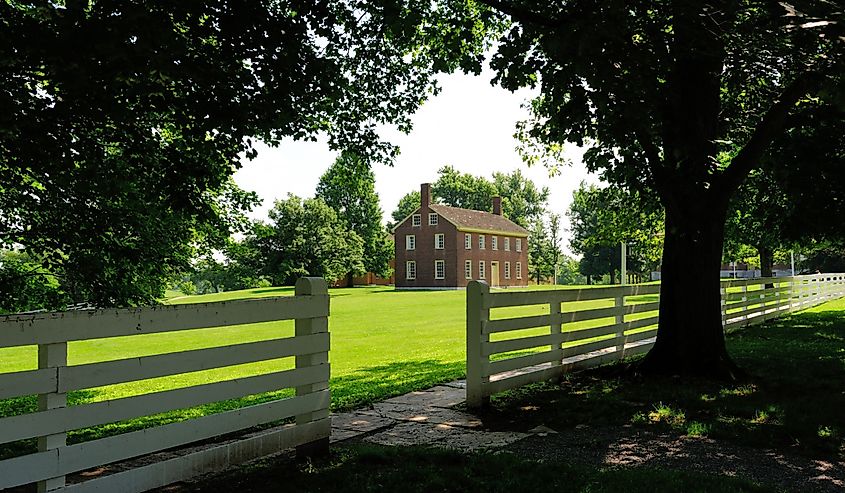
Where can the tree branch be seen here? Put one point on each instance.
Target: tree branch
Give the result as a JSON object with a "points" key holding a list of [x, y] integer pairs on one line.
{"points": [[767, 130], [523, 14]]}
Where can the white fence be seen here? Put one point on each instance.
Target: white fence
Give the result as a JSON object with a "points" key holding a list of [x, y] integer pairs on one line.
{"points": [[582, 328], [54, 378]]}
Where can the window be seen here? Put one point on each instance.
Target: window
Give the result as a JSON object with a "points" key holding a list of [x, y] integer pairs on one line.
{"points": [[410, 242], [432, 219], [468, 269], [519, 269], [481, 242], [416, 220], [410, 270], [494, 242], [481, 269], [440, 269], [518, 244], [439, 241], [507, 270], [507, 244], [468, 241]]}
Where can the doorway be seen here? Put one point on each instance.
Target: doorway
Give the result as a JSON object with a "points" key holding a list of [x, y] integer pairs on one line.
{"points": [[494, 274]]}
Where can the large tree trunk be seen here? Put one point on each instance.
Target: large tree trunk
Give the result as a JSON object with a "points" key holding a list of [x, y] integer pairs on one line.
{"points": [[350, 279], [690, 337], [766, 261]]}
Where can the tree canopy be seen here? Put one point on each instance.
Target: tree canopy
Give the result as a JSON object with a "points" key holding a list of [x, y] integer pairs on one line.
{"points": [[681, 98], [348, 187], [122, 122]]}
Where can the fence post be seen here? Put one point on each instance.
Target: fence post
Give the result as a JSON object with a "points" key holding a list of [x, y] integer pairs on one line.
{"points": [[52, 356], [313, 287], [723, 300], [478, 313], [744, 301], [556, 330], [619, 304]]}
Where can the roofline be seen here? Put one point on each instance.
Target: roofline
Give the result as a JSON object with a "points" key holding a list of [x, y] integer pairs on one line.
{"points": [[493, 232], [400, 223]]}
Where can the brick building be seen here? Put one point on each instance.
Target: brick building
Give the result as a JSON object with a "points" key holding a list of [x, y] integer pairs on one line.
{"points": [[441, 247]]}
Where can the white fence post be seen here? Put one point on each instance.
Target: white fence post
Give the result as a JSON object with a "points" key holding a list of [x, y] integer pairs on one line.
{"points": [[478, 313], [52, 356], [315, 287], [556, 330], [619, 303]]}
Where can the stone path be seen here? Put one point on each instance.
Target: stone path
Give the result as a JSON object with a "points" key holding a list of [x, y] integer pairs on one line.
{"points": [[421, 418]]}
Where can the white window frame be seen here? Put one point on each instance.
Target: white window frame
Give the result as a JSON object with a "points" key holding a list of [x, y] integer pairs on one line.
{"points": [[519, 270], [494, 242], [432, 219], [482, 274], [481, 243], [410, 270], [410, 242], [519, 244], [468, 269], [442, 265], [416, 220], [507, 244], [507, 270], [468, 241], [439, 241]]}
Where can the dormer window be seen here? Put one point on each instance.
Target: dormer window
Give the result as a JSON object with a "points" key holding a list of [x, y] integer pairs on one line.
{"points": [[416, 220], [432, 219]]}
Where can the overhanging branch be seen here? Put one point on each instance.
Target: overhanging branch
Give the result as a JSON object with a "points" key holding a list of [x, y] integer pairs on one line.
{"points": [[773, 122]]}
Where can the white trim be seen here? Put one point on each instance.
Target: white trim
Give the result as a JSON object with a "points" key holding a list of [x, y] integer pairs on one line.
{"points": [[519, 244], [507, 243], [442, 263], [468, 269], [439, 241], [435, 216], [482, 271], [494, 242], [410, 242], [416, 220], [507, 270], [468, 241], [519, 270], [482, 242], [410, 265]]}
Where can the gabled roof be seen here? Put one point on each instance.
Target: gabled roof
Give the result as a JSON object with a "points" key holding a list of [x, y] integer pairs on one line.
{"points": [[478, 221]]}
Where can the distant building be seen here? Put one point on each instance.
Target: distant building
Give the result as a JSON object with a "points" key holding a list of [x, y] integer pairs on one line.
{"points": [[742, 271], [441, 247]]}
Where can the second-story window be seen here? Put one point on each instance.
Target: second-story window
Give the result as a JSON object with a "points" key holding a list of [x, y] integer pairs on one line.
{"points": [[410, 242], [416, 220], [481, 245], [439, 241], [507, 244], [432, 219], [494, 242], [518, 245], [468, 241]]}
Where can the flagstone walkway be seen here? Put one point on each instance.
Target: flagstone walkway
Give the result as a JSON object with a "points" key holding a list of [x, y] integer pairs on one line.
{"points": [[421, 418]]}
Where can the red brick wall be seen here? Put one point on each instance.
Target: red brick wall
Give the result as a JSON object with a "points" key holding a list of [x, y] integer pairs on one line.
{"points": [[489, 255], [425, 253]]}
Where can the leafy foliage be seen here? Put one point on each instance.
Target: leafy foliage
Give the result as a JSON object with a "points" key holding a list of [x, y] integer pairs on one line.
{"points": [[348, 187], [602, 218], [122, 122], [303, 238]]}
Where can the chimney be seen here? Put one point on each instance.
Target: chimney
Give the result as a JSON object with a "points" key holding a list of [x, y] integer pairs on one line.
{"points": [[425, 195], [497, 206]]}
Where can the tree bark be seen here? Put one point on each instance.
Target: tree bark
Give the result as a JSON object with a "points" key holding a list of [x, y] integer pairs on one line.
{"points": [[350, 280], [690, 337], [766, 260]]}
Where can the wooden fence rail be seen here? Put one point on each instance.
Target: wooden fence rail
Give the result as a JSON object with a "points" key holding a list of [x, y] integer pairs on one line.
{"points": [[53, 378], [581, 328]]}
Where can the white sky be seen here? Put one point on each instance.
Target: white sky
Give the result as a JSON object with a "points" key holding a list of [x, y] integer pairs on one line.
{"points": [[469, 125]]}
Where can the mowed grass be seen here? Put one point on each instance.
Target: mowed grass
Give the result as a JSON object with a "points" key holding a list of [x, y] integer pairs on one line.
{"points": [[383, 343]]}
